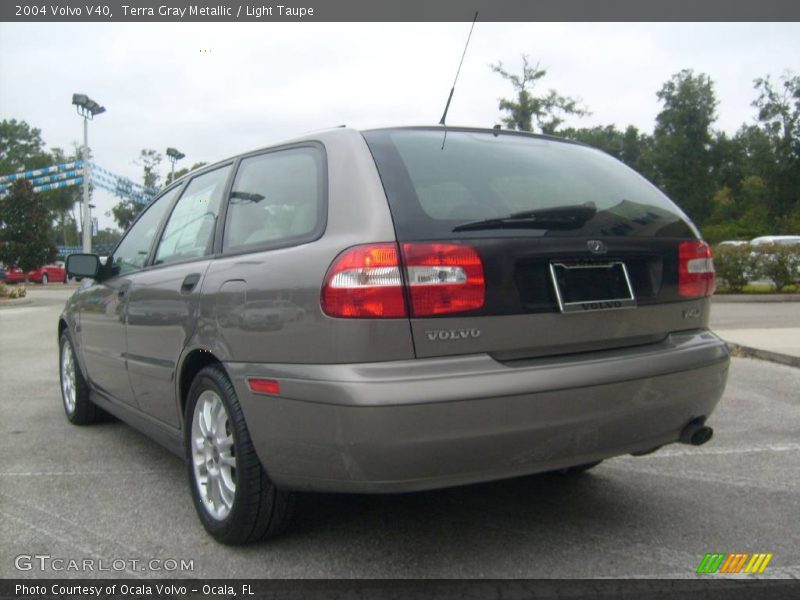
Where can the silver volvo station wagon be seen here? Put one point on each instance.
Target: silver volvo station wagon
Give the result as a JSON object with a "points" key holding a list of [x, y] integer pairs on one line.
{"points": [[390, 311]]}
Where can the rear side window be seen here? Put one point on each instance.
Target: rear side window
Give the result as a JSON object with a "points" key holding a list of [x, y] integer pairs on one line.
{"points": [[276, 200], [480, 176], [190, 230]]}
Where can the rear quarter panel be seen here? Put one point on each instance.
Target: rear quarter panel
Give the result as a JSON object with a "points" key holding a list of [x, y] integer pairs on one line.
{"points": [[265, 306]]}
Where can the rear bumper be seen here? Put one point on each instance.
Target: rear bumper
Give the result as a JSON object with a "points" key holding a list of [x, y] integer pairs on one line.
{"points": [[421, 424]]}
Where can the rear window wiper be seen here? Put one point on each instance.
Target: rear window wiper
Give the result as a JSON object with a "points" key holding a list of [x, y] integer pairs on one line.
{"points": [[561, 217]]}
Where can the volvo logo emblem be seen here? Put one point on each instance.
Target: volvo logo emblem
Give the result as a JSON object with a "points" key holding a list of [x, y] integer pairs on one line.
{"points": [[596, 247]]}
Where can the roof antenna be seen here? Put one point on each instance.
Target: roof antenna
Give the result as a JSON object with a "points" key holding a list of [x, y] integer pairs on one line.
{"points": [[453, 89]]}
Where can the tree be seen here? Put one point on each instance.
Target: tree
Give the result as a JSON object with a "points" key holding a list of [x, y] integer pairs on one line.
{"points": [[105, 239], [61, 201], [181, 172], [727, 161], [25, 228], [66, 231], [629, 146], [682, 142], [779, 118], [21, 147], [607, 138], [546, 110], [126, 210], [149, 160]]}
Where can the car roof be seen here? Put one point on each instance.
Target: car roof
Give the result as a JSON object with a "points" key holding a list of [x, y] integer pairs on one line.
{"points": [[323, 135]]}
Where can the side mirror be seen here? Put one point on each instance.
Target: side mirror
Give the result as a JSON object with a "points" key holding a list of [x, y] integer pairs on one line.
{"points": [[83, 265]]}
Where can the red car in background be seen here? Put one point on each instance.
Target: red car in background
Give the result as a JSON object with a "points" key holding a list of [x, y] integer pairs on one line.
{"points": [[44, 275]]}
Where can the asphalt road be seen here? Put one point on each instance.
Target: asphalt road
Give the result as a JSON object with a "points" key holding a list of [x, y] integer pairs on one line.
{"points": [[107, 492]]}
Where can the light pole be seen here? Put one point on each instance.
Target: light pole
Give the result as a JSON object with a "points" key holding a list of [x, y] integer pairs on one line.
{"points": [[91, 223], [174, 156], [87, 108]]}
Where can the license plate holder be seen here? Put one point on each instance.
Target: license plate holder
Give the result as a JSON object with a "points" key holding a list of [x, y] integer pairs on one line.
{"points": [[591, 286]]}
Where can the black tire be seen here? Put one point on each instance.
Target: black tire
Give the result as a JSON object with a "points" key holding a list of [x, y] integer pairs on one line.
{"points": [[259, 510], [44, 278], [84, 411], [577, 469]]}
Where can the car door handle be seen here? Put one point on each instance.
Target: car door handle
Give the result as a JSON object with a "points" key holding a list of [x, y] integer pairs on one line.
{"points": [[189, 282]]}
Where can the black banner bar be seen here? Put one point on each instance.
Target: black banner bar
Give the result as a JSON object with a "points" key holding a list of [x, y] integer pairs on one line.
{"points": [[709, 588], [144, 11]]}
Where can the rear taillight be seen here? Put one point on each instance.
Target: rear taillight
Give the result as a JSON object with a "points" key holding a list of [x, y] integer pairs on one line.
{"points": [[443, 278], [365, 281], [696, 277]]}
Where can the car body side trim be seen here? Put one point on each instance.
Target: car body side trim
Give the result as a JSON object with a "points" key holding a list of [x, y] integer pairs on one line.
{"points": [[169, 437]]}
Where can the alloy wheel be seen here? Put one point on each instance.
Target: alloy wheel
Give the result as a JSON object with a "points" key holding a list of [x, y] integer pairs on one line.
{"points": [[213, 455], [68, 382]]}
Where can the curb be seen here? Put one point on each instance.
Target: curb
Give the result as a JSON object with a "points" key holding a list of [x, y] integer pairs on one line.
{"points": [[776, 357], [755, 298]]}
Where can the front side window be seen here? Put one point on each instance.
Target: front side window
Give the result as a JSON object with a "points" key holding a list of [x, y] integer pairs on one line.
{"points": [[132, 251], [276, 199], [190, 230]]}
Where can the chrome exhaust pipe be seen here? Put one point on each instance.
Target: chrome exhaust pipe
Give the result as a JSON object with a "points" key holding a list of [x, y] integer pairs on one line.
{"points": [[696, 433]]}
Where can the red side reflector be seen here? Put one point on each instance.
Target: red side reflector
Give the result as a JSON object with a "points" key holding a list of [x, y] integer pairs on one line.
{"points": [[696, 275], [263, 386]]}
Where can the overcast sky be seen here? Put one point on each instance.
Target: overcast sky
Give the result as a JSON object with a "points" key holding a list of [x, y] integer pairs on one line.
{"points": [[257, 83]]}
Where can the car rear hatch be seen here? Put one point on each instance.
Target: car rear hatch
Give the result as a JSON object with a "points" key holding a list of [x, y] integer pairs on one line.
{"points": [[573, 250]]}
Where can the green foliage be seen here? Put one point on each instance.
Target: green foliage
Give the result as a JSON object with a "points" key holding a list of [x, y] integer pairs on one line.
{"points": [[607, 138], [739, 265], [21, 147], [11, 292], [25, 223], [106, 237], [546, 110], [125, 211], [683, 138], [149, 160], [721, 232], [736, 265], [65, 231], [779, 263], [181, 172], [629, 146], [779, 118], [60, 202]]}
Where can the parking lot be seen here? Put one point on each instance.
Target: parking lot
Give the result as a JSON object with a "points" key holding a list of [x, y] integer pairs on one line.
{"points": [[107, 492]]}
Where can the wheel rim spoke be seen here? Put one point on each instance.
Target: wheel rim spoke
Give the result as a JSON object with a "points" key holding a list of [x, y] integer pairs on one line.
{"points": [[219, 416], [226, 491]]}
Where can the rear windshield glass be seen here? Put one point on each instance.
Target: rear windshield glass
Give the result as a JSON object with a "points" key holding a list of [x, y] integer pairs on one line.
{"points": [[486, 185]]}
